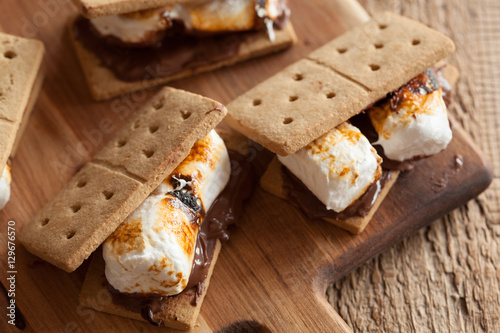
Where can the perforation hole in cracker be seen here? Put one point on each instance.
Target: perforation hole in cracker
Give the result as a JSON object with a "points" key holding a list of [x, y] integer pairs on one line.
{"points": [[81, 183], [378, 45], [374, 67], [76, 207], [298, 77], [121, 143], [44, 222], [382, 26], [415, 42], [287, 120], [70, 234], [293, 98], [331, 95], [185, 114], [137, 124], [159, 104], [108, 194], [148, 153], [257, 102], [153, 128], [342, 50], [10, 54]]}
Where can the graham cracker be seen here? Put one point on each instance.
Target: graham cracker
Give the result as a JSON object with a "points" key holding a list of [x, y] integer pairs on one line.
{"points": [[120, 176], [104, 84], [95, 8], [312, 96], [20, 60], [178, 313], [272, 182], [35, 92]]}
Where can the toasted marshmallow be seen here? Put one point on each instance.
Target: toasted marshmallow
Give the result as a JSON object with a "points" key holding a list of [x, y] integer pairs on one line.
{"points": [[152, 252], [135, 28], [5, 186], [216, 15], [338, 167], [207, 16], [417, 125]]}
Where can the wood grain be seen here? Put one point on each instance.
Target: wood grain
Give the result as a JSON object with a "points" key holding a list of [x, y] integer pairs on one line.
{"points": [[445, 278], [67, 128]]}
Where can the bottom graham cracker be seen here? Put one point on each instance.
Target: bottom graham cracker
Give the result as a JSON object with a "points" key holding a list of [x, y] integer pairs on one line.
{"points": [[272, 182], [178, 312]]}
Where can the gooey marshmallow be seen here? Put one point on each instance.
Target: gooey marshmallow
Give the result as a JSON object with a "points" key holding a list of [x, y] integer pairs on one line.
{"points": [[152, 252], [338, 167], [5, 181], [419, 127], [207, 16], [131, 28]]}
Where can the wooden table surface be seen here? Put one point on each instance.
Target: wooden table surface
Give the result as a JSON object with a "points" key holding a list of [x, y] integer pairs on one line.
{"points": [[445, 278]]}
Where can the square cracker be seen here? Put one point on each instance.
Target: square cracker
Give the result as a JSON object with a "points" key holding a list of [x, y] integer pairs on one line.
{"points": [[121, 175], [359, 68], [178, 313], [272, 182], [95, 8], [20, 60], [104, 84]]}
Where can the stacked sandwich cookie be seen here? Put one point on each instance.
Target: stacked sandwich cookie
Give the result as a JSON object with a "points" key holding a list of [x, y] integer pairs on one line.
{"points": [[20, 83], [159, 197], [346, 119], [126, 46]]}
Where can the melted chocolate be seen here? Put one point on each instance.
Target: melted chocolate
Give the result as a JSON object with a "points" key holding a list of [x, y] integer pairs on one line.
{"points": [[225, 211], [175, 50], [314, 208], [170, 56]]}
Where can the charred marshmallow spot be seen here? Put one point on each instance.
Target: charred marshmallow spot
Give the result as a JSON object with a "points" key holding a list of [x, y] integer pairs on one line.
{"points": [[412, 121], [153, 250]]}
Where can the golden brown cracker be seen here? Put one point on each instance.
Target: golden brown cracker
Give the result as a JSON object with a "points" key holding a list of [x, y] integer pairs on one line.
{"points": [[178, 312], [121, 175], [103, 83], [272, 182], [312, 96], [20, 60]]}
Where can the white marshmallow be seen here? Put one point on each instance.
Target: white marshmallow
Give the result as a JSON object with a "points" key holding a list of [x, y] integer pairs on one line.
{"points": [[419, 127], [5, 181], [208, 16], [338, 167], [130, 28], [153, 250]]}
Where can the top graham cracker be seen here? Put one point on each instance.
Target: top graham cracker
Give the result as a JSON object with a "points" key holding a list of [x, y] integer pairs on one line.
{"points": [[95, 8], [120, 177], [309, 98], [20, 60]]}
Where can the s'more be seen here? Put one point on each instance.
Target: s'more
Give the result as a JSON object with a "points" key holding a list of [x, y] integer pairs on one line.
{"points": [[159, 198], [349, 117], [125, 46], [20, 83]]}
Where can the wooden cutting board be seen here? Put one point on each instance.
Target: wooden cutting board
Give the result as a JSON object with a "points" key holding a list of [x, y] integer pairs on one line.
{"points": [[273, 272]]}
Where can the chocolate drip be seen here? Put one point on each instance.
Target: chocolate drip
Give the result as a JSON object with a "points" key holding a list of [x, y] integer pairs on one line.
{"points": [[315, 209], [225, 211]]}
